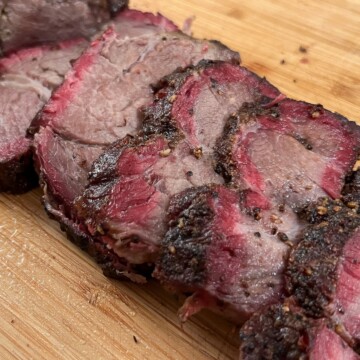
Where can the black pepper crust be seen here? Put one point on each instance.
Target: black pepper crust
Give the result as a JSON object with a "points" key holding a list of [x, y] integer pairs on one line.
{"points": [[276, 334], [224, 148], [18, 176], [182, 258], [311, 274], [102, 176], [157, 118]]}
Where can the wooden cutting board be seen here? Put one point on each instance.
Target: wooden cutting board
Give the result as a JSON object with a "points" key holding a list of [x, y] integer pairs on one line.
{"points": [[54, 301]]}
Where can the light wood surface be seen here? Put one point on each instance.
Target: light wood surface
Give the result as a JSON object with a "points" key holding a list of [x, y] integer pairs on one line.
{"points": [[54, 301]]}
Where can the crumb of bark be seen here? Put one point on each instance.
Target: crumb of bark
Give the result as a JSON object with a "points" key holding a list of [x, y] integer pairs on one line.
{"points": [[135, 339], [282, 62], [303, 49]]}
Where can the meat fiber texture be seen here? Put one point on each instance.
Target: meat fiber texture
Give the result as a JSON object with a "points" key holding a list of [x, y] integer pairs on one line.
{"points": [[228, 246], [27, 78], [131, 184], [31, 22], [99, 100]]}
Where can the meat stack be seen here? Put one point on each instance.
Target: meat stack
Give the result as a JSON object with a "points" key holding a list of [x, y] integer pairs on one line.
{"points": [[159, 151]]}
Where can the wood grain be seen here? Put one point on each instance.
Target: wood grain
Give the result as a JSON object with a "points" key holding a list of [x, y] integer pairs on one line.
{"points": [[54, 301]]}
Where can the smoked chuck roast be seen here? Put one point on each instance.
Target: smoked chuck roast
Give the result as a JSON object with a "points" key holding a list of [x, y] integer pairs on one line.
{"points": [[98, 103], [27, 78], [31, 22], [233, 190], [228, 245], [130, 185]]}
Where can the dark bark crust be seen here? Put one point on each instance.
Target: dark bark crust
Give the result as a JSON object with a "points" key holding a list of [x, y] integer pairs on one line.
{"points": [[311, 274], [18, 176], [277, 334], [351, 190], [157, 119], [103, 175], [225, 144], [183, 254]]}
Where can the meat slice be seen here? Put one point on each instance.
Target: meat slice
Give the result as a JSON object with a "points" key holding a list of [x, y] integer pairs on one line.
{"points": [[31, 22], [27, 78], [99, 100], [131, 184], [82, 143], [229, 259], [245, 241], [263, 143], [324, 267], [322, 277], [284, 333]]}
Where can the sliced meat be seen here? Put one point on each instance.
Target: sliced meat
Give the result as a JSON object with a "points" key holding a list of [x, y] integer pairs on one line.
{"points": [[228, 258], [99, 100], [324, 267], [29, 76], [248, 236], [281, 333], [92, 113], [262, 144], [131, 184], [31, 22], [322, 277], [187, 99], [27, 79]]}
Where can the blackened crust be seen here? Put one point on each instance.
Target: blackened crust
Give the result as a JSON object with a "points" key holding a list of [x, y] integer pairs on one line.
{"points": [[102, 177], [225, 144], [351, 190], [157, 118], [311, 274], [183, 249], [276, 334], [18, 176], [115, 6]]}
